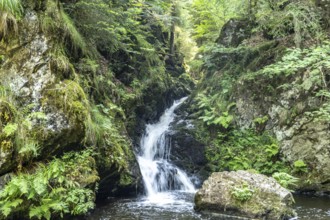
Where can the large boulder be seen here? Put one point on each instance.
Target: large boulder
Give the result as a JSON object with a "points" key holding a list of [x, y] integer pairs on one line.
{"points": [[245, 194]]}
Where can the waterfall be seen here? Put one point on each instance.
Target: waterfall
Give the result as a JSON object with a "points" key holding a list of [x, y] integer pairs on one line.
{"points": [[159, 174]]}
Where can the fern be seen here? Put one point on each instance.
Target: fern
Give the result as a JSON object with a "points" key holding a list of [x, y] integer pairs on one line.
{"points": [[30, 149], [7, 207], [285, 180], [55, 189], [10, 129]]}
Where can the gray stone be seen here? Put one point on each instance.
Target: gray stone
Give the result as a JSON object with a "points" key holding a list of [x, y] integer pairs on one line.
{"points": [[269, 200]]}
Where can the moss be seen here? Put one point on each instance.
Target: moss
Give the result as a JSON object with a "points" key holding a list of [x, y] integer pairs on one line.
{"points": [[6, 145], [68, 97], [125, 180], [7, 113]]}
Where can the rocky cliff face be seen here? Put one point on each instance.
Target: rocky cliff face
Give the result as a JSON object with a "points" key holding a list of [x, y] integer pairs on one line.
{"points": [[56, 98], [276, 91], [301, 137], [27, 75]]}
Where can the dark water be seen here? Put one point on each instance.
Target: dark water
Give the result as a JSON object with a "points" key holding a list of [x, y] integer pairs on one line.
{"points": [[309, 207], [179, 206]]}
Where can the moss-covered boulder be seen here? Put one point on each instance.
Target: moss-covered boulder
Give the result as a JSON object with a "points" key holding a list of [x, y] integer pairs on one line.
{"points": [[66, 107], [244, 194]]}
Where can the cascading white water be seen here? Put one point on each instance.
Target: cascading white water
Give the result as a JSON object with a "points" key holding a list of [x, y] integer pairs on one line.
{"points": [[159, 175]]}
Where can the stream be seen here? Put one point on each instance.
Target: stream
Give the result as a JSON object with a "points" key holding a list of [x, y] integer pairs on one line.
{"points": [[307, 208], [169, 192]]}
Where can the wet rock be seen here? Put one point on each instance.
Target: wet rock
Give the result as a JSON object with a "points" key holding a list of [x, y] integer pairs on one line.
{"points": [[244, 194], [187, 152]]}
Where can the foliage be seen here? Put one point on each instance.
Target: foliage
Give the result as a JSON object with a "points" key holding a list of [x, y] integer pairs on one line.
{"points": [[103, 132], [56, 22], [70, 30], [114, 28], [55, 189], [260, 120], [243, 150], [213, 112], [243, 193], [299, 166], [10, 129], [10, 11], [68, 96], [16, 128], [322, 114], [13, 7], [312, 60], [208, 17], [285, 180], [280, 18]]}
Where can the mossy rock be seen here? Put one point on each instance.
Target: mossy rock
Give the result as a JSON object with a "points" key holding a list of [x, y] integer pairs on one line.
{"points": [[7, 113], [66, 107], [245, 194], [7, 149]]}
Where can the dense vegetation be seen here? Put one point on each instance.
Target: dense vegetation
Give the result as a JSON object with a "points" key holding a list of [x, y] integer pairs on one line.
{"points": [[92, 72], [280, 50], [79, 79]]}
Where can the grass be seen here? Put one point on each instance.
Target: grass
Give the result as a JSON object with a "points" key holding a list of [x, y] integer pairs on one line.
{"points": [[10, 12], [13, 7]]}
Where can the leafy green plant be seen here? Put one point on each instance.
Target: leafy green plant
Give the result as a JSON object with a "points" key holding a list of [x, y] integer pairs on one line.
{"points": [[13, 7], [103, 133], [246, 149], [260, 120], [243, 193], [312, 59], [272, 150], [10, 129], [323, 112], [213, 113], [61, 187], [299, 166], [285, 180], [29, 150]]}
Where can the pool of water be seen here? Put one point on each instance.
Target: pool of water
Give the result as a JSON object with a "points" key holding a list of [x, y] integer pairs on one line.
{"points": [[179, 206], [310, 207]]}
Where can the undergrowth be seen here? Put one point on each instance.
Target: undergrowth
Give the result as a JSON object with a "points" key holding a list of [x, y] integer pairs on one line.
{"points": [[63, 186], [244, 150]]}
